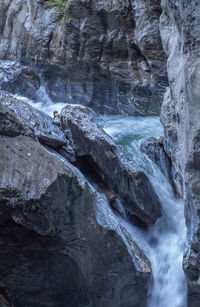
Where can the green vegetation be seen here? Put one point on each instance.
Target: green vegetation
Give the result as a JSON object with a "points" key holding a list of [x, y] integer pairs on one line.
{"points": [[60, 4], [137, 178]]}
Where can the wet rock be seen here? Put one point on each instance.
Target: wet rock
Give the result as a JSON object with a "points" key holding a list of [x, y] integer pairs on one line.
{"points": [[180, 117], [103, 156], [102, 54], [51, 244], [18, 79], [41, 123], [155, 151]]}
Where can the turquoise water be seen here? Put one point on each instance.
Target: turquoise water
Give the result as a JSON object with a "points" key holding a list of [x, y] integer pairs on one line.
{"points": [[164, 242]]}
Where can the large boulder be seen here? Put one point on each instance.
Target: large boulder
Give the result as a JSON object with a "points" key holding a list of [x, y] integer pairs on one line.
{"points": [[180, 33], [39, 122], [104, 157], [18, 79], [53, 250], [98, 53]]}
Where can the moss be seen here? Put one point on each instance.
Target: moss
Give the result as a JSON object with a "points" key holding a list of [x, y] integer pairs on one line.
{"points": [[60, 4], [136, 177]]}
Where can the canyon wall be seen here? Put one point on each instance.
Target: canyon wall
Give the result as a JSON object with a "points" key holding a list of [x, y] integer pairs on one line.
{"points": [[104, 54], [180, 33]]}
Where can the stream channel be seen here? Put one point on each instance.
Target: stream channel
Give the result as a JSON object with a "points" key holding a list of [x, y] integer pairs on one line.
{"points": [[163, 243]]}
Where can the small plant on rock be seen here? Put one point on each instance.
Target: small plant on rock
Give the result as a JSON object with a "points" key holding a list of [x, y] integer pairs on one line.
{"points": [[60, 4]]}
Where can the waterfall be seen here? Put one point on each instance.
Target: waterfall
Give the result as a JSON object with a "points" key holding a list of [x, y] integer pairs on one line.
{"points": [[164, 242]]}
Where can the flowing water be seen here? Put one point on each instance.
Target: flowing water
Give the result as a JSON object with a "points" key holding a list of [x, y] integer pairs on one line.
{"points": [[164, 242]]}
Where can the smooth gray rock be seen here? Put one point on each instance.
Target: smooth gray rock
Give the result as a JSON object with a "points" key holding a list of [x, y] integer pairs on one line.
{"points": [[111, 163], [18, 79], [180, 33], [11, 125], [99, 53], [53, 252], [41, 123]]}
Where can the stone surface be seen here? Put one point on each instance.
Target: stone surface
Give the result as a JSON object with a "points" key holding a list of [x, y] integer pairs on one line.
{"points": [[18, 79], [4, 5], [103, 53], [99, 152], [53, 252], [41, 123], [180, 33], [155, 151]]}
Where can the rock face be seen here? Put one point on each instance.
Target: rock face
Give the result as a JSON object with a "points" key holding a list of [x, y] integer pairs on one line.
{"points": [[180, 117], [4, 5], [155, 151], [99, 152], [99, 53], [53, 251], [18, 79]]}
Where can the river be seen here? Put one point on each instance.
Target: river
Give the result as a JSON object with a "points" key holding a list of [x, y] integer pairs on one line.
{"points": [[164, 242]]}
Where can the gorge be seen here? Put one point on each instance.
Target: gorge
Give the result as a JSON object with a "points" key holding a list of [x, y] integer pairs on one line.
{"points": [[99, 206]]}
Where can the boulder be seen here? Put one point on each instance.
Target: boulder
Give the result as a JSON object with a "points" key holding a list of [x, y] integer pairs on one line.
{"points": [[102, 156], [39, 122], [53, 250]]}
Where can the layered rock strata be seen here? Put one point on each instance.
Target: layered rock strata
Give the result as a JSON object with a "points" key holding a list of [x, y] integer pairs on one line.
{"points": [[98, 53]]}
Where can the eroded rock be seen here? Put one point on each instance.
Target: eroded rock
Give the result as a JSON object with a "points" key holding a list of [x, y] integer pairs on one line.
{"points": [[180, 118], [155, 151], [100, 153], [39, 122], [103, 54], [53, 252], [18, 79]]}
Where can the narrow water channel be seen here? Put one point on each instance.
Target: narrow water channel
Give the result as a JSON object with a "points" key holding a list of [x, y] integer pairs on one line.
{"points": [[164, 242]]}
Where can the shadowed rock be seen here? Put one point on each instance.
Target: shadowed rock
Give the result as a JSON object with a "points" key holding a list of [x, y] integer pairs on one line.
{"points": [[18, 79], [111, 163], [155, 151], [53, 252]]}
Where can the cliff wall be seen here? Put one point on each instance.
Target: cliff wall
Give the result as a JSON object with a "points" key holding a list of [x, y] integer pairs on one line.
{"points": [[105, 54], [180, 33]]}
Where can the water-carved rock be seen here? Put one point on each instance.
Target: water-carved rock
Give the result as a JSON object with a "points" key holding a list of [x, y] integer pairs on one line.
{"points": [[96, 53], [111, 163], [53, 252], [180, 117]]}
